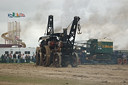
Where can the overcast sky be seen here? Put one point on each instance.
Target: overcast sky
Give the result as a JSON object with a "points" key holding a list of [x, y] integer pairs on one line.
{"points": [[99, 18]]}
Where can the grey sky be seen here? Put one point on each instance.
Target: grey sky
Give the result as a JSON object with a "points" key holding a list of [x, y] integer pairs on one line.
{"points": [[99, 18]]}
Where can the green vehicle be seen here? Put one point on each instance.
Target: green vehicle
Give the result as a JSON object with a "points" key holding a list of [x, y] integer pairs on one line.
{"points": [[100, 51]]}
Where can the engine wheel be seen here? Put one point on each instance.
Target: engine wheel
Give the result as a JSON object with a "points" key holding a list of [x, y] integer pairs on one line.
{"points": [[46, 56], [41, 59], [57, 60], [74, 60], [37, 55]]}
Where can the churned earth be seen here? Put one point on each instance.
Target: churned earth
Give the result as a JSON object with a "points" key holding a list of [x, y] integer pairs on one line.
{"points": [[30, 74]]}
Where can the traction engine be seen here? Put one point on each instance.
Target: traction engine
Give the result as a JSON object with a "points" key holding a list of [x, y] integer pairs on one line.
{"points": [[56, 49]]}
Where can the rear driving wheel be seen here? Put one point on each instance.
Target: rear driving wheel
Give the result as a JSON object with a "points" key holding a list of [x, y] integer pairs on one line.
{"points": [[46, 56], [41, 59], [74, 61], [37, 55], [57, 60]]}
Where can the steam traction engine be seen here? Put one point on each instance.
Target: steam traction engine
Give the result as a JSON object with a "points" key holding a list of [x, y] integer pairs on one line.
{"points": [[56, 49]]}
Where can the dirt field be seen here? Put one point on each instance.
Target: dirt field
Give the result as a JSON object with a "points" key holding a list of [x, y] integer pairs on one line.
{"points": [[29, 74]]}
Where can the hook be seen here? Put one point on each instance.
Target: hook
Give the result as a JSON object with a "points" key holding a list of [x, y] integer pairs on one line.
{"points": [[79, 29], [79, 32]]}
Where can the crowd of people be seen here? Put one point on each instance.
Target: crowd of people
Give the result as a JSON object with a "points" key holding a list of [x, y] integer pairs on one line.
{"points": [[17, 58]]}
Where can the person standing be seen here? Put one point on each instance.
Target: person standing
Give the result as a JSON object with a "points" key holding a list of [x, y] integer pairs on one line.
{"points": [[2, 58], [10, 57], [7, 58], [33, 58], [14, 57], [19, 57], [23, 58], [26, 58], [29, 58]]}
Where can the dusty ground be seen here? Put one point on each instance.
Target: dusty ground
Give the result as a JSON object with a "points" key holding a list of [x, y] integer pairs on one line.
{"points": [[29, 74]]}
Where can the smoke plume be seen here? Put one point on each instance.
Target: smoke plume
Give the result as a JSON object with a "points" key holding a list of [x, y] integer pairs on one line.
{"points": [[99, 19]]}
